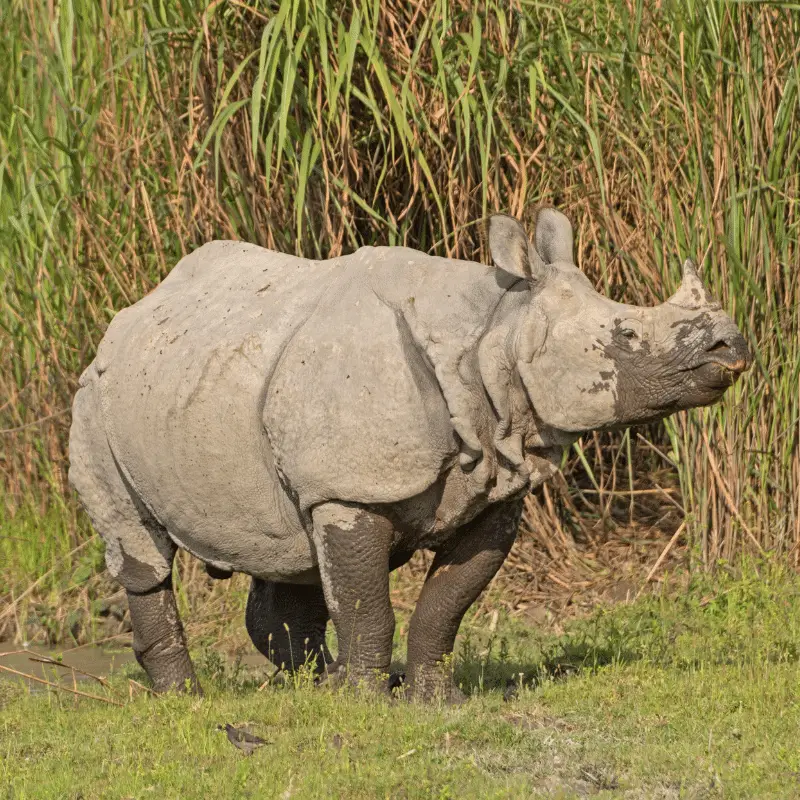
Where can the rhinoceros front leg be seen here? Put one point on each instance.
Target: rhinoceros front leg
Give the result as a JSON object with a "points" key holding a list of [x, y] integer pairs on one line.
{"points": [[287, 623], [159, 643], [353, 546], [462, 568]]}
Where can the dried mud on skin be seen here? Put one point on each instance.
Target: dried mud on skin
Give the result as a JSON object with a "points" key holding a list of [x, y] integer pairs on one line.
{"points": [[575, 550]]}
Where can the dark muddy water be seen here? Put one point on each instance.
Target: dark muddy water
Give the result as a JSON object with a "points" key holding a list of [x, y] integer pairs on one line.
{"points": [[87, 661], [92, 659]]}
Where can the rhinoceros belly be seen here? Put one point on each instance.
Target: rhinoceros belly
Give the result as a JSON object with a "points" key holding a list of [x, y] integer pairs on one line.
{"points": [[183, 375]]}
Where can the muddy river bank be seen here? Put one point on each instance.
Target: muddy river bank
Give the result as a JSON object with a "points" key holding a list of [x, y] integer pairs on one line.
{"points": [[85, 663]]}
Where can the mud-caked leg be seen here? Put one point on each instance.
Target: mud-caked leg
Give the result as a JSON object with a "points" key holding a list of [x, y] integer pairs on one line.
{"points": [[462, 568], [159, 643], [353, 546], [287, 623]]}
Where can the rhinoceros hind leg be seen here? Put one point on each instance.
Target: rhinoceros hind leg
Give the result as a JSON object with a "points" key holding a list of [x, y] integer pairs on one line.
{"points": [[158, 639], [139, 552], [287, 623], [463, 567]]}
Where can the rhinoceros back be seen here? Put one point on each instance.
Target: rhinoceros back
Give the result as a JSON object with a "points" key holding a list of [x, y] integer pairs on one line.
{"points": [[182, 377]]}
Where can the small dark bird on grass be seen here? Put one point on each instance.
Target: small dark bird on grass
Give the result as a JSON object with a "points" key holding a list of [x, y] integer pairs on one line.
{"points": [[239, 737]]}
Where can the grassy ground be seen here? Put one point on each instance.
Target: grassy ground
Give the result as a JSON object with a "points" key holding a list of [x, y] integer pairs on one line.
{"points": [[131, 135], [677, 696]]}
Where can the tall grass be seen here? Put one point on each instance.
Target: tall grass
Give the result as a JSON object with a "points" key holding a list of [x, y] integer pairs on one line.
{"points": [[132, 133]]}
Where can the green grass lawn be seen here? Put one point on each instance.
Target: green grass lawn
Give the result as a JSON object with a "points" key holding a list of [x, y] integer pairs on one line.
{"points": [[689, 694]]}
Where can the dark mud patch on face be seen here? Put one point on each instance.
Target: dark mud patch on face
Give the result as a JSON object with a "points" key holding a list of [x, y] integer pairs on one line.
{"points": [[651, 388], [599, 386]]}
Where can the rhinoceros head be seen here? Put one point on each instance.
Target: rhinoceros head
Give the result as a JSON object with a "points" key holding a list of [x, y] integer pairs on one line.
{"points": [[588, 362]]}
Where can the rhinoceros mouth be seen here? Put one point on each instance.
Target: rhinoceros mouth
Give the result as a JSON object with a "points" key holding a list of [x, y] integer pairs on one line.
{"points": [[707, 383], [719, 366], [718, 374]]}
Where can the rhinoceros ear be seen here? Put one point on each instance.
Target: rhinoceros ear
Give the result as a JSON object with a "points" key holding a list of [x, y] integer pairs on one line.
{"points": [[553, 236], [511, 249]]}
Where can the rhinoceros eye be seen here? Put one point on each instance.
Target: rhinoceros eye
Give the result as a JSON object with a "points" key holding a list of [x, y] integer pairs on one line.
{"points": [[629, 333]]}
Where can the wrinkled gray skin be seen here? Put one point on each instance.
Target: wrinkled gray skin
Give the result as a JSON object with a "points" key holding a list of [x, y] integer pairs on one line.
{"points": [[313, 423]]}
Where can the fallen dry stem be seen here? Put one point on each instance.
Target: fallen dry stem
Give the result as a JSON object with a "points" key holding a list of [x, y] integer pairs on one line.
{"points": [[52, 661], [660, 559], [30, 677]]}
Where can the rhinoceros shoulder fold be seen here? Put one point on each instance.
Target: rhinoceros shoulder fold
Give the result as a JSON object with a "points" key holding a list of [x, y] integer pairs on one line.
{"points": [[354, 411], [454, 307]]}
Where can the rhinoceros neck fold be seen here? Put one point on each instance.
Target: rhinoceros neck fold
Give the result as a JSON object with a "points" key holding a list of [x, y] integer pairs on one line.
{"points": [[470, 332], [530, 450], [448, 317]]}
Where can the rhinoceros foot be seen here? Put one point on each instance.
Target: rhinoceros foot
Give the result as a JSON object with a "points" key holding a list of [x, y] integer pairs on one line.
{"points": [[433, 683], [372, 683], [159, 643]]}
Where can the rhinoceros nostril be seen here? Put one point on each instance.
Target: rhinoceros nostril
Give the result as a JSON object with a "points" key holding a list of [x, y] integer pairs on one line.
{"points": [[733, 354]]}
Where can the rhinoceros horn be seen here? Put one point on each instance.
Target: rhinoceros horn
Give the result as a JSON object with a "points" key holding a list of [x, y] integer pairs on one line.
{"points": [[692, 294]]}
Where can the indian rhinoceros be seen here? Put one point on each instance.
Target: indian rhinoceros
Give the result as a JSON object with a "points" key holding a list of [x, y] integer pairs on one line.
{"points": [[314, 423]]}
